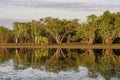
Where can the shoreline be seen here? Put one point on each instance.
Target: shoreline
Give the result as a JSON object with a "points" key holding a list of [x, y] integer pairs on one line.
{"points": [[64, 46]]}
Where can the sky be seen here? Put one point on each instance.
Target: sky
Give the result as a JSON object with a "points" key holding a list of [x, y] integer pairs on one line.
{"points": [[27, 10]]}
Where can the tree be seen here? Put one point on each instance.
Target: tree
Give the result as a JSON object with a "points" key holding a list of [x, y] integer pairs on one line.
{"points": [[29, 32], [87, 30], [17, 30], [59, 29], [117, 23], [109, 27], [37, 33], [4, 34]]}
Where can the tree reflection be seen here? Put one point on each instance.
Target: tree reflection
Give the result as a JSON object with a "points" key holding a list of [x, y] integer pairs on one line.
{"points": [[58, 54], [108, 64], [61, 61], [109, 59], [104, 62], [39, 55], [25, 58], [17, 56], [4, 55], [87, 58]]}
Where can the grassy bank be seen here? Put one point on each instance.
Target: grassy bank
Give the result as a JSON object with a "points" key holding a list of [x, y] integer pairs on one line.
{"points": [[72, 46]]}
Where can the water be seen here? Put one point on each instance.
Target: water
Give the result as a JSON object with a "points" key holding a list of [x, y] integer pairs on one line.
{"points": [[40, 64], [8, 73]]}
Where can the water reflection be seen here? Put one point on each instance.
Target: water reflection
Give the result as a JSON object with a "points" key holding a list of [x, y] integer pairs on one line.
{"points": [[104, 63]]}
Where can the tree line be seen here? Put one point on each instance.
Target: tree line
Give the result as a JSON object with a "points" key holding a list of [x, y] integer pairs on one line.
{"points": [[104, 29]]}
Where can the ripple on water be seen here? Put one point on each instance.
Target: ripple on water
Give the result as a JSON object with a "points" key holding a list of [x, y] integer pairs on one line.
{"points": [[8, 73]]}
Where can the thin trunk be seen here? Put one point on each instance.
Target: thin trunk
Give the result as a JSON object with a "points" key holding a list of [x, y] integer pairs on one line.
{"points": [[91, 40], [58, 54], [58, 40], [92, 56], [109, 51], [91, 52], [62, 54], [17, 55], [63, 36], [108, 41], [16, 40]]}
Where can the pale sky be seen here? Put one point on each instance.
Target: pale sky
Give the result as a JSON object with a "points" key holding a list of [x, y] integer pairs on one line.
{"points": [[26, 10]]}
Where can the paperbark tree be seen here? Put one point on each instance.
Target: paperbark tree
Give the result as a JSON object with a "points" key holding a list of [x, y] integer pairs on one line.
{"points": [[4, 34], [109, 27], [87, 30], [59, 29]]}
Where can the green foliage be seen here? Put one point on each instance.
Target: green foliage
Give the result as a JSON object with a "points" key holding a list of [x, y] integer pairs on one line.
{"points": [[29, 32], [20, 31], [59, 29], [54, 30], [109, 26], [41, 40], [87, 30], [4, 34]]}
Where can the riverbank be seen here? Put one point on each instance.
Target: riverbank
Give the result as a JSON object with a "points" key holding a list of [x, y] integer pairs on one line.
{"points": [[71, 46]]}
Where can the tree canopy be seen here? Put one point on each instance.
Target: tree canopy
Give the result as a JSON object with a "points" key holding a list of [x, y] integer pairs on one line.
{"points": [[54, 30]]}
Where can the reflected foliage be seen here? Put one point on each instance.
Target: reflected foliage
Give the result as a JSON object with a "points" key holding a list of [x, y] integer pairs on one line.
{"points": [[105, 62]]}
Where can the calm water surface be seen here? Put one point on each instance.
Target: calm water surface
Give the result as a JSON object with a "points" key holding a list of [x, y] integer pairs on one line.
{"points": [[59, 64]]}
